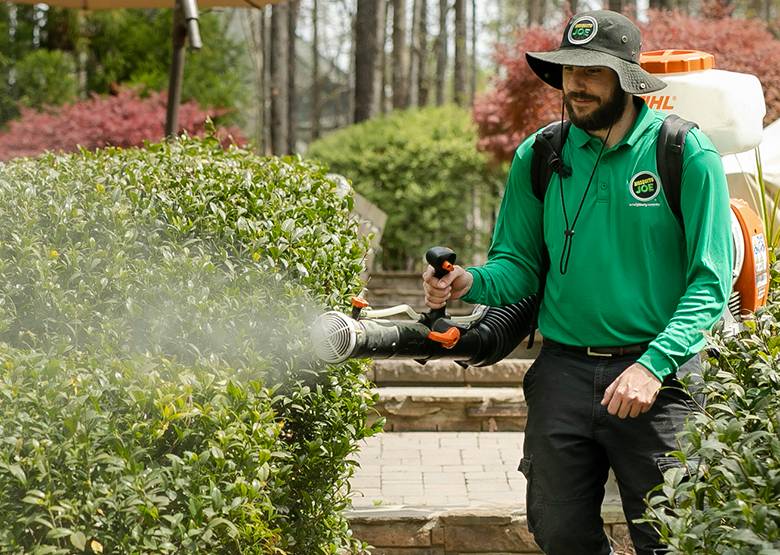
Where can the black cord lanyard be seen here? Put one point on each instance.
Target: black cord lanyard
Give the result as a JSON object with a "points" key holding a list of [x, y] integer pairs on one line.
{"points": [[568, 233]]}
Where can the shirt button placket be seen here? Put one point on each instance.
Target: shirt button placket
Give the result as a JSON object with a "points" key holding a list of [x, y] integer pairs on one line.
{"points": [[603, 192]]}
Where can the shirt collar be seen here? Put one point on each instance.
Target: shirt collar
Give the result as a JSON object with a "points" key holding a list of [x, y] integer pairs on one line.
{"points": [[580, 138]]}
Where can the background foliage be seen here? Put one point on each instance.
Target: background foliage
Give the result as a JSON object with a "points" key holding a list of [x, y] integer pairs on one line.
{"points": [[520, 103], [421, 168], [727, 500], [156, 391], [123, 119], [131, 47]]}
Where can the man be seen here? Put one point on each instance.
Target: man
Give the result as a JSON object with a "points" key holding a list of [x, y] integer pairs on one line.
{"points": [[627, 294]]}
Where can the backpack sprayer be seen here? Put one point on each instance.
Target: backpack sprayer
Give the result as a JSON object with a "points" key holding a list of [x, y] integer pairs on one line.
{"points": [[484, 337], [729, 107]]}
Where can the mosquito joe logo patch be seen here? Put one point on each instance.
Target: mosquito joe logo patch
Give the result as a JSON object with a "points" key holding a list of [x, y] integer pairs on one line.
{"points": [[583, 30], [644, 187]]}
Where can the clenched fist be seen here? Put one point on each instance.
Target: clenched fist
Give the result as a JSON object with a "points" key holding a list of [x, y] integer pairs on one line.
{"points": [[452, 286]]}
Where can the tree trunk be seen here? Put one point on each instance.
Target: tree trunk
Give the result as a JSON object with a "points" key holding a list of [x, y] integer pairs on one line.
{"points": [[661, 4], [400, 56], [278, 63], [473, 88], [441, 53], [536, 9], [380, 63], [292, 99], [423, 84], [460, 53], [365, 58], [349, 115], [257, 35], [414, 59], [316, 97]]}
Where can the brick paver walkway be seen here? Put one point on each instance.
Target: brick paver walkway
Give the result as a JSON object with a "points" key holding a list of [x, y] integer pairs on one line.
{"points": [[440, 469]]}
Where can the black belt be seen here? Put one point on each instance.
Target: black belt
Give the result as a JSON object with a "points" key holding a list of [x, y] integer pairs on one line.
{"points": [[623, 350]]}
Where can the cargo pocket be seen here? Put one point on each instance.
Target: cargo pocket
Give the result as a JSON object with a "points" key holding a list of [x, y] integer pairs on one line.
{"points": [[533, 504]]}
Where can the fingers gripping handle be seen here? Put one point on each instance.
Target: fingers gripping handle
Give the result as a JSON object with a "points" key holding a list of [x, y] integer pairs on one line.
{"points": [[442, 260]]}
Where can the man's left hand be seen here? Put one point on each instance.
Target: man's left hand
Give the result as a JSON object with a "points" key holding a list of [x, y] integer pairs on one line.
{"points": [[632, 393]]}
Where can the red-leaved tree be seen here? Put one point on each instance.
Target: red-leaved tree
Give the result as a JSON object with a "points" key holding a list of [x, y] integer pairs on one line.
{"points": [[518, 103], [124, 119]]}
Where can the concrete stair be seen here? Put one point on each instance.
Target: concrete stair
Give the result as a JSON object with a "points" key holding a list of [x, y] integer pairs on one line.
{"points": [[450, 409], [444, 396]]}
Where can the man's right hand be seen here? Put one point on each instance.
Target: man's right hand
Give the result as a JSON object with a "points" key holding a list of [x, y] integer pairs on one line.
{"points": [[452, 286]]}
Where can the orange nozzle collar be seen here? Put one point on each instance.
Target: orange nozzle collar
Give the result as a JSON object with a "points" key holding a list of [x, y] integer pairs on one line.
{"points": [[448, 339]]}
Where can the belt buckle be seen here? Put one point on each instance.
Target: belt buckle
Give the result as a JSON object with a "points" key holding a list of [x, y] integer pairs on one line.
{"points": [[592, 353]]}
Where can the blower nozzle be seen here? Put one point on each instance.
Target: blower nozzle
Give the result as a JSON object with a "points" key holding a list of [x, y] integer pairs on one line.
{"points": [[488, 335]]}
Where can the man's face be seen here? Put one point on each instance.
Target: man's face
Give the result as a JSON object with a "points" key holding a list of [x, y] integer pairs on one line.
{"points": [[593, 97]]}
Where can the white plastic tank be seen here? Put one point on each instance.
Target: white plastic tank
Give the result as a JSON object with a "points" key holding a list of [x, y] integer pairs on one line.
{"points": [[728, 106]]}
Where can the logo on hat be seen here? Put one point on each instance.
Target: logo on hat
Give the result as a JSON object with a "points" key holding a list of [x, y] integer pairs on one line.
{"points": [[644, 186], [583, 30]]}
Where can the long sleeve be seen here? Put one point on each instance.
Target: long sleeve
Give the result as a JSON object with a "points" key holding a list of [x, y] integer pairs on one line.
{"points": [[512, 269], [707, 220]]}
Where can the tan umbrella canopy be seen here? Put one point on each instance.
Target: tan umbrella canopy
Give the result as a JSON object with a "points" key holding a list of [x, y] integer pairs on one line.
{"points": [[185, 23]]}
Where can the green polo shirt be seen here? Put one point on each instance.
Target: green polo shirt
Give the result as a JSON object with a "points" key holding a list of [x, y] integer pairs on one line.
{"points": [[634, 276]]}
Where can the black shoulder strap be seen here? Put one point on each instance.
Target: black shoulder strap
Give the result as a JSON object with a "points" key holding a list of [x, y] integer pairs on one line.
{"points": [[547, 156], [669, 159]]}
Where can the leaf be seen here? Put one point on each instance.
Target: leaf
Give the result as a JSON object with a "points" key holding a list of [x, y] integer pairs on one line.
{"points": [[79, 540], [17, 472], [96, 546]]}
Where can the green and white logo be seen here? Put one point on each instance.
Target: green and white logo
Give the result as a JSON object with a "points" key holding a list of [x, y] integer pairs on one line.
{"points": [[583, 30], [644, 186]]}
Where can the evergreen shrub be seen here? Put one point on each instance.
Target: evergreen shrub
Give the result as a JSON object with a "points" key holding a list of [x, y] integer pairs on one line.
{"points": [[157, 391], [724, 496], [422, 168]]}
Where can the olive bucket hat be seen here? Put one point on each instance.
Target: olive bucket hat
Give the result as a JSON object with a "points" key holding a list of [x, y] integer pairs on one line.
{"points": [[598, 38]]}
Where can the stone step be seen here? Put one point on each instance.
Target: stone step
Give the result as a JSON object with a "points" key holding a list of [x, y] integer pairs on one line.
{"points": [[448, 493], [488, 530], [462, 409], [405, 372]]}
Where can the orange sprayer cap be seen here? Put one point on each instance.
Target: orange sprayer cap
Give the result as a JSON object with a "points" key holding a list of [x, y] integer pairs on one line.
{"points": [[359, 302], [676, 61]]}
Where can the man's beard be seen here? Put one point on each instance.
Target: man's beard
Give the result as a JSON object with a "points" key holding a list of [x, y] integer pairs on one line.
{"points": [[603, 116]]}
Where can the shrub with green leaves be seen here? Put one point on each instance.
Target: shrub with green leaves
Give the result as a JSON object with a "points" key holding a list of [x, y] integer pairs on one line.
{"points": [[157, 390], [724, 497], [46, 78], [423, 169]]}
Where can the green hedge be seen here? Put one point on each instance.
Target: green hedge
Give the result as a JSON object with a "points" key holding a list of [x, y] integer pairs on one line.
{"points": [[158, 393], [423, 169], [728, 501]]}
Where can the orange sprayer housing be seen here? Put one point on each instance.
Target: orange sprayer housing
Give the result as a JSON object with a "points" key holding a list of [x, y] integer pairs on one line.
{"points": [[753, 280], [676, 61]]}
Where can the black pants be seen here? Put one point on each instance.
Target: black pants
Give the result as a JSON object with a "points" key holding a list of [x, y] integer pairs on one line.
{"points": [[571, 442]]}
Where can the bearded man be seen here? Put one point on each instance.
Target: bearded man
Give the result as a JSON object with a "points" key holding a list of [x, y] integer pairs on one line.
{"points": [[627, 290]]}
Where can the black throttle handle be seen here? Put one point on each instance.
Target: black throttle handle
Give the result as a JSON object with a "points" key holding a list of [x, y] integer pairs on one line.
{"points": [[443, 261]]}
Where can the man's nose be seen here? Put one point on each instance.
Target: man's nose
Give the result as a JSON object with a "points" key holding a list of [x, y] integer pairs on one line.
{"points": [[577, 80]]}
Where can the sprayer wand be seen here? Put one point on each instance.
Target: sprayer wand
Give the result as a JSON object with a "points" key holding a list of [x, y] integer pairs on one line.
{"points": [[486, 336]]}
